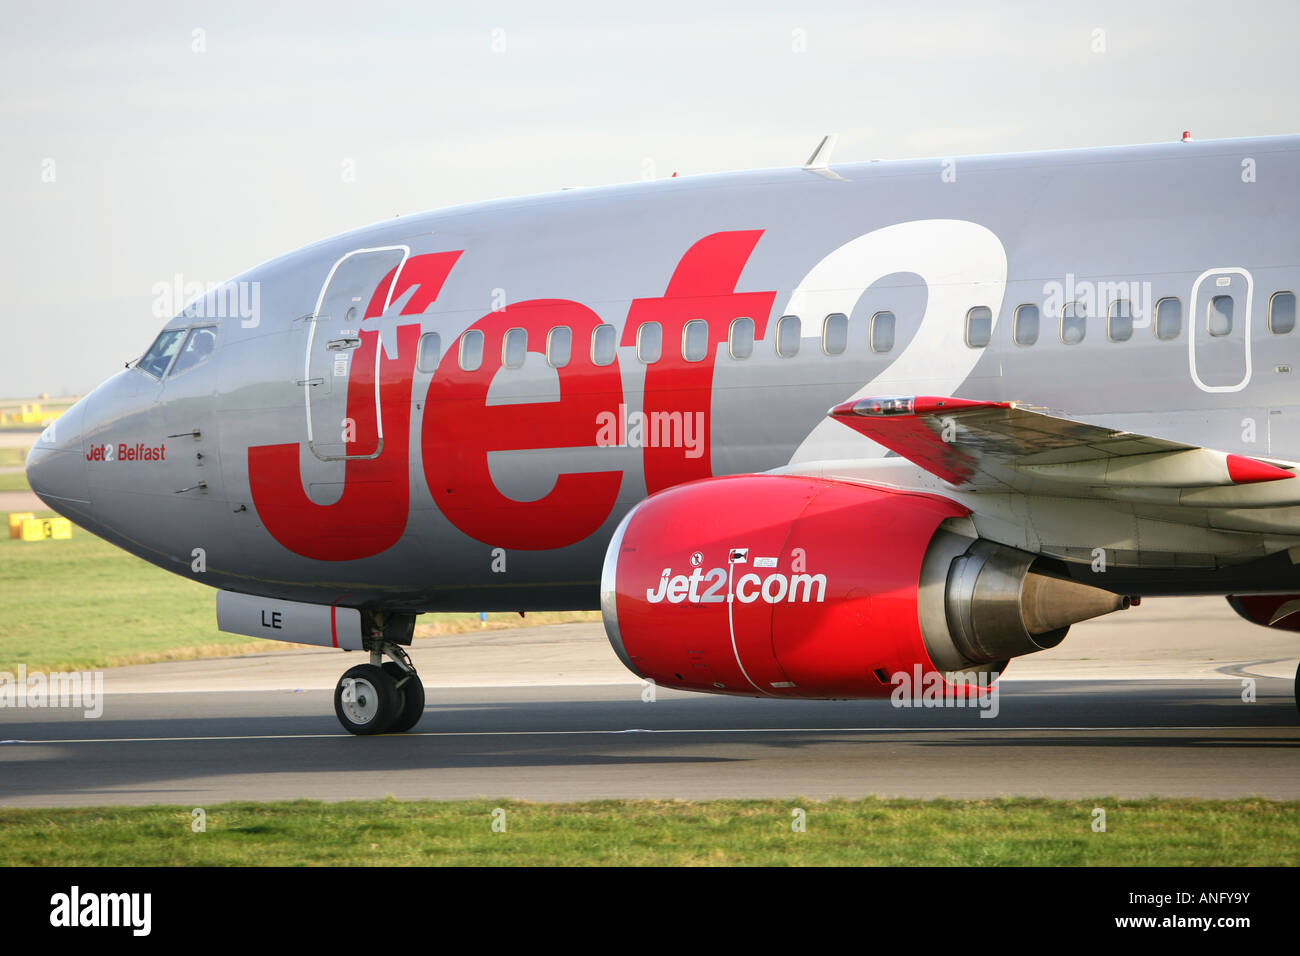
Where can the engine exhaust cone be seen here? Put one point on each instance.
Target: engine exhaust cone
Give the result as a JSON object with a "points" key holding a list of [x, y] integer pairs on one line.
{"points": [[999, 608], [1048, 603]]}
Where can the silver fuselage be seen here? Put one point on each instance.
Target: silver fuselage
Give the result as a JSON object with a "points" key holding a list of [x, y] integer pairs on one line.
{"points": [[513, 480]]}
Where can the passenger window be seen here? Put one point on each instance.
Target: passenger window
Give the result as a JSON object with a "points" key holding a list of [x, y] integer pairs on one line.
{"points": [[603, 345], [1024, 326], [1119, 323], [197, 348], [740, 338], [1281, 313], [1218, 315], [788, 331], [882, 332], [514, 348], [1074, 323], [160, 354], [1169, 318], [835, 333], [471, 350], [430, 352], [559, 346], [979, 326], [695, 340], [649, 342]]}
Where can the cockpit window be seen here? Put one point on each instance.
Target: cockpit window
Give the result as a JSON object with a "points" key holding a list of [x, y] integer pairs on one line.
{"points": [[196, 349], [160, 354]]}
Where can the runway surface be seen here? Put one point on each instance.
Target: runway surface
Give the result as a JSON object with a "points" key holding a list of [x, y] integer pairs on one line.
{"points": [[20, 501], [1073, 739], [1145, 702]]}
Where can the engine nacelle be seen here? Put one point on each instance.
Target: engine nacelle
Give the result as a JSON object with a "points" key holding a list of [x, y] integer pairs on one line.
{"points": [[781, 585], [1280, 611]]}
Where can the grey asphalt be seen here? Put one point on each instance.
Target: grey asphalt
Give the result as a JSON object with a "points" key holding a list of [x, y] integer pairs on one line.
{"points": [[1057, 738]]}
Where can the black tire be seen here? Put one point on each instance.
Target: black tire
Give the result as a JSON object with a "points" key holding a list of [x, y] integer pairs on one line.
{"points": [[1295, 687], [375, 702], [412, 699]]}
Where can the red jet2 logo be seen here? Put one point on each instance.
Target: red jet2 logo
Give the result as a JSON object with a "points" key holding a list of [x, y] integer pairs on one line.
{"points": [[460, 429]]}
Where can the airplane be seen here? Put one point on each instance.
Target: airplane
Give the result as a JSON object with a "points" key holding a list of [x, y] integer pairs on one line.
{"points": [[792, 431]]}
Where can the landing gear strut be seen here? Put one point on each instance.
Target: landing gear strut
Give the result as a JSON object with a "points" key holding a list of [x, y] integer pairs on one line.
{"points": [[382, 696]]}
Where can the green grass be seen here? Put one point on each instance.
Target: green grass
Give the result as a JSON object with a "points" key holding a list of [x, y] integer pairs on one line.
{"points": [[82, 603], [13, 457], [14, 481], [1035, 832]]}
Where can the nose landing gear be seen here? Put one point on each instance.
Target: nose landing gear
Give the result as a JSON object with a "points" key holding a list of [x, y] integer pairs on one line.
{"points": [[382, 696]]}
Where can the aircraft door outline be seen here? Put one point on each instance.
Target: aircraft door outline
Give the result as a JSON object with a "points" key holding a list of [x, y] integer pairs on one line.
{"points": [[1200, 340], [342, 338]]}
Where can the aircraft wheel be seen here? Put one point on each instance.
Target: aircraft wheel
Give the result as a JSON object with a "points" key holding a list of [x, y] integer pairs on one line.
{"points": [[1295, 687], [412, 698], [367, 700]]}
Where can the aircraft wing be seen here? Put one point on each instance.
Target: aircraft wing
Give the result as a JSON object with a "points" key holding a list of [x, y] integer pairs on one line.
{"points": [[1003, 446]]}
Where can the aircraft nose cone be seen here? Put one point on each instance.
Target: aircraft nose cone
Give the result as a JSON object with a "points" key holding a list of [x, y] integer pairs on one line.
{"points": [[56, 465]]}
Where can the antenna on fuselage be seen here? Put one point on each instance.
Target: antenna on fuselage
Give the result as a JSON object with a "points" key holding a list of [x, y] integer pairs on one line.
{"points": [[820, 161], [821, 156]]}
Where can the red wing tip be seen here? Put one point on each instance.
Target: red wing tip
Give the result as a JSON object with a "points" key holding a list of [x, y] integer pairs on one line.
{"points": [[1245, 471], [886, 406]]}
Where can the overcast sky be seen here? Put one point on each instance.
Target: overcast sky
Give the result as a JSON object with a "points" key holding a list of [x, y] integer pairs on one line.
{"points": [[135, 148]]}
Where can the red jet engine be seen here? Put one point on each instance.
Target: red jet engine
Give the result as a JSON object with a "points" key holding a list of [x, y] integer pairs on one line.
{"points": [[788, 586]]}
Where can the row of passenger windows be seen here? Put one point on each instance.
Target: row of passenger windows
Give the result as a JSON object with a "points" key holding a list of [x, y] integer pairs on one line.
{"points": [[650, 342], [1026, 320], [1167, 324]]}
